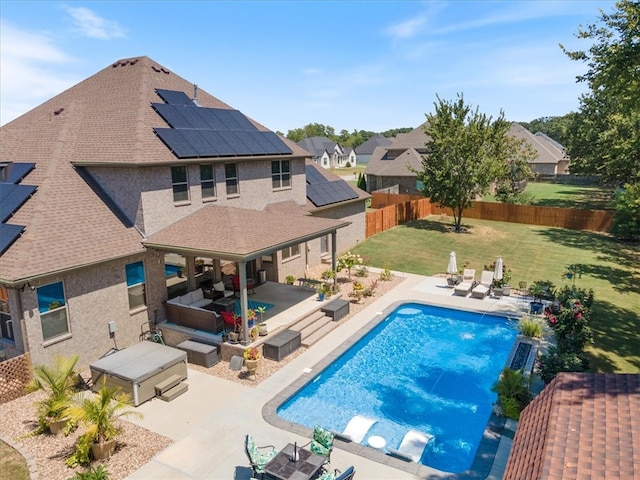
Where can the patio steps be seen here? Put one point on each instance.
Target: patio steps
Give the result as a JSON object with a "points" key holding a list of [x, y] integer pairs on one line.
{"points": [[313, 327]]}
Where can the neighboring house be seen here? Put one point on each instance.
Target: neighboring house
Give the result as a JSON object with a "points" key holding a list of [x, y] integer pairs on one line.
{"points": [[551, 159], [365, 151], [582, 425], [132, 166], [327, 153], [388, 168]]}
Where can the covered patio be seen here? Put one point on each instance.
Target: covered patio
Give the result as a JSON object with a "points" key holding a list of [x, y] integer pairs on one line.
{"points": [[243, 236]]}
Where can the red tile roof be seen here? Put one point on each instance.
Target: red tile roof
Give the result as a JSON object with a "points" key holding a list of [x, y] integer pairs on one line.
{"points": [[582, 426]]}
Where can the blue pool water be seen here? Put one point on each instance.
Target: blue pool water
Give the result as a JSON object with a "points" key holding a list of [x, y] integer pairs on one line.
{"points": [[171, 270], [423, 367]]}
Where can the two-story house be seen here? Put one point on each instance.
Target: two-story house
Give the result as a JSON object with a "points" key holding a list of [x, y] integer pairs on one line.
{"points": [[101, 183], [327, 153], [365, 150]]}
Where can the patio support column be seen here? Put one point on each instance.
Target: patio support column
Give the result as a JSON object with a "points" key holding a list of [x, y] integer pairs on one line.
{"points": [[242, 276], [191, 273], [334, 259]]}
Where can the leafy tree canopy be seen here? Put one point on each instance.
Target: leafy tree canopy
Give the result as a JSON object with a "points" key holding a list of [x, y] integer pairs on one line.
{"points": [[467, 151], [554, 127], [604, 136], [344, 138]]}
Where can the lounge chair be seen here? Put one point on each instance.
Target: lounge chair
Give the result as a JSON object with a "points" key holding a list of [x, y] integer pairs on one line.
{"points": [[348, 474], [257, 459], [484, 287], [412, 445], [356, 429], [221, 291], [465, 286]]}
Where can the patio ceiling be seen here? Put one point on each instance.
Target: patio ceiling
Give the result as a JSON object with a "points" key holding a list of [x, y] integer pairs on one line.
{"points": [[238, 234]]}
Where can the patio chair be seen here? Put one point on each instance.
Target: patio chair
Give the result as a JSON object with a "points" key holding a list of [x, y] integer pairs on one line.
{"points": [[231, 321], [321, 442], [235, 280], [467, 283], [484, 287], [348, 474], [220, 290], [412, 445], [258, 459], [356, 429]]}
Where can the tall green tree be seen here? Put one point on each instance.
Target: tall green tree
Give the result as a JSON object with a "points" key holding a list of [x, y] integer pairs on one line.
{"points": [[466, 152], [604, 137]]}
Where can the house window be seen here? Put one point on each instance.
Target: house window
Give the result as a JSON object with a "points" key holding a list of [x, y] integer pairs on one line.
{"points": [[280, 174], [291, 252], [324, 244], [52, 305], [135, 285], [207, 181], [231, 178], [6, 325], [180, 184]]}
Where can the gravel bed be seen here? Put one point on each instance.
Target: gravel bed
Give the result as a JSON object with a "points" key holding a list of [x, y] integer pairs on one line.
{"points": [[136, 445]]}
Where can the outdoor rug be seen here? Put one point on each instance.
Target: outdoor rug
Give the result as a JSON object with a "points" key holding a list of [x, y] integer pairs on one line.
{"points": [[252, 305]]}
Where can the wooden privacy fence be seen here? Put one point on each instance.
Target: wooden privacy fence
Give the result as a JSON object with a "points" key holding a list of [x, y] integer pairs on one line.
{"points": [[394, 210], [15, 373]]}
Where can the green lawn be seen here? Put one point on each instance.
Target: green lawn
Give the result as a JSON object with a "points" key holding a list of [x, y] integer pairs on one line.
{"points": [[532, 253], [567, 196]]}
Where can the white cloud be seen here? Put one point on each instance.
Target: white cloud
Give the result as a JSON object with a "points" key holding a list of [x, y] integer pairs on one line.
{"points": [[90, 24], [29, 70], [408, 28]]}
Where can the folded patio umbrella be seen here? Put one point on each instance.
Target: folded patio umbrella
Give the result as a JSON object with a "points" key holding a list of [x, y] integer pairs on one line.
{"points": [[452, 268], [497, 273]]}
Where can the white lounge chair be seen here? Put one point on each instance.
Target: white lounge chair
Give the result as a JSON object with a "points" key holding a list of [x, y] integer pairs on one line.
{"points": [[356, 429], [465, 286], [412, 445], [484, 287]]}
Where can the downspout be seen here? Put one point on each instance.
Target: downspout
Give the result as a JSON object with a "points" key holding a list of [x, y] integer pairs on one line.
{"points": [[334, 262]]}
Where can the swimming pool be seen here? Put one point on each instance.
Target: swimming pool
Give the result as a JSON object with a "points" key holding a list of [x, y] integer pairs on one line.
{"points": [[171, 270], [423, 367]]}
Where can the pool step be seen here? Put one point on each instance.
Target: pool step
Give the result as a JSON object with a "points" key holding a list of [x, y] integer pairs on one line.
{"points": [[319, 333], [307, 321]]}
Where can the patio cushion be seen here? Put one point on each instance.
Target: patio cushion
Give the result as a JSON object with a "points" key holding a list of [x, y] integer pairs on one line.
{"points": [[186, 299], [196, 295], [219, 287], [201, 303]]}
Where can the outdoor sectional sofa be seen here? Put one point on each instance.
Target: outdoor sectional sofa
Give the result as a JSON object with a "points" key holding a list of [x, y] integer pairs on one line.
{"points": [[187, 311]]}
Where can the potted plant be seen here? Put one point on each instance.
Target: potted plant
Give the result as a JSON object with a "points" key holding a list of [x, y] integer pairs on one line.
{"points": [[537, 293], [358, 291], [290, 279], [500, 286], [58, 382], [251, 360], [99, 414], [320, 291]]}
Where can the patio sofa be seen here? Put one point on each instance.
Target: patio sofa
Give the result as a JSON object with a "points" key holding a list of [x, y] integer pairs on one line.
{"points": [[187, 311]]}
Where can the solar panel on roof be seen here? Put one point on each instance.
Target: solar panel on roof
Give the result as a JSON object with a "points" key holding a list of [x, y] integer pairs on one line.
{"points": [[173, 97], [173, 139], [210, 132], [12, 197], [9, 234], [313, 175], [14, 172]]}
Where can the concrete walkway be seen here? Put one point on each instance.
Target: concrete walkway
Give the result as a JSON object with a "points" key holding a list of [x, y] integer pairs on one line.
{"points": [[208, 423]]}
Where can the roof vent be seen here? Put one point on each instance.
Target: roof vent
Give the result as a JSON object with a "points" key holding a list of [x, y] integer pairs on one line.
{"points": [[195, 94], [58, 111], [160, 69]]}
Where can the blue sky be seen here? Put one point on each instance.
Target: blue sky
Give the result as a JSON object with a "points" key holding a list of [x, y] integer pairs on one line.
{"points": [[352, 65]]}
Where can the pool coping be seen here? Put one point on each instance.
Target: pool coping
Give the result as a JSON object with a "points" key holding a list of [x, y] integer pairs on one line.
{"points": [[487, 448]]}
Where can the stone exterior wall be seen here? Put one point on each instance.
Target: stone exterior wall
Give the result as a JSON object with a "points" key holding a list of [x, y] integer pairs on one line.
{"points": [[406, 185]]}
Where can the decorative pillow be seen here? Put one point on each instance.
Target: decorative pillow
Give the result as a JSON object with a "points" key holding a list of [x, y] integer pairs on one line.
{"points": [[319, 449], [323, 436], [196, 295], [219, 287]]}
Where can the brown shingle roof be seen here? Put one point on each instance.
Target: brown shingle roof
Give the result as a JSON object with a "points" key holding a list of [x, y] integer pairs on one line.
{"points": [[104, 120], [239, 234], [582, 426]]}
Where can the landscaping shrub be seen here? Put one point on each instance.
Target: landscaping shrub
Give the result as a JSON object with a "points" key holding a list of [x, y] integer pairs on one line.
{"points": [[571, 326], [513, 392], [626, 218], [530, 327], [93, 473], [328, 275], [556, 361], [567, 294]]}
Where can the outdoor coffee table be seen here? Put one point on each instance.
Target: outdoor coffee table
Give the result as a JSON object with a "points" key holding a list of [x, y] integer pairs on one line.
{"points": [[283, 467], [227, 304]]}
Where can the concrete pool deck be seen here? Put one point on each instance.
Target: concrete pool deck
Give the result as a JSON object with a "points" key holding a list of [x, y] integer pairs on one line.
{"points": [[208, 423]]}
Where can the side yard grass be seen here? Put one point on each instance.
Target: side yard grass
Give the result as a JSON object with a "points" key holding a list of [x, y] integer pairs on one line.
{"points": [[532, 253], [567, 196]]}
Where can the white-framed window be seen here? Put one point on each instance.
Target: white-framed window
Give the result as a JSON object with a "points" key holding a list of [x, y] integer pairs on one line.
{"points": [[291, 252], [231, 178], [179, 183], [324, 244], [280, 174], [207, 181], [136, 285], [52, 306], [6, 324]]}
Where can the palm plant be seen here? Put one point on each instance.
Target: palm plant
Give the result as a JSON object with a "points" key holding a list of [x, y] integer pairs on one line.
{"points": [[58, 382], [99, 414]]}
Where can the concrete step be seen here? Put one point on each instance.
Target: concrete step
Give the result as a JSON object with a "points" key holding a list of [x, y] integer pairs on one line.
{"points": [[303, 323], [309, 340], [312, 327], [174, 392]]}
